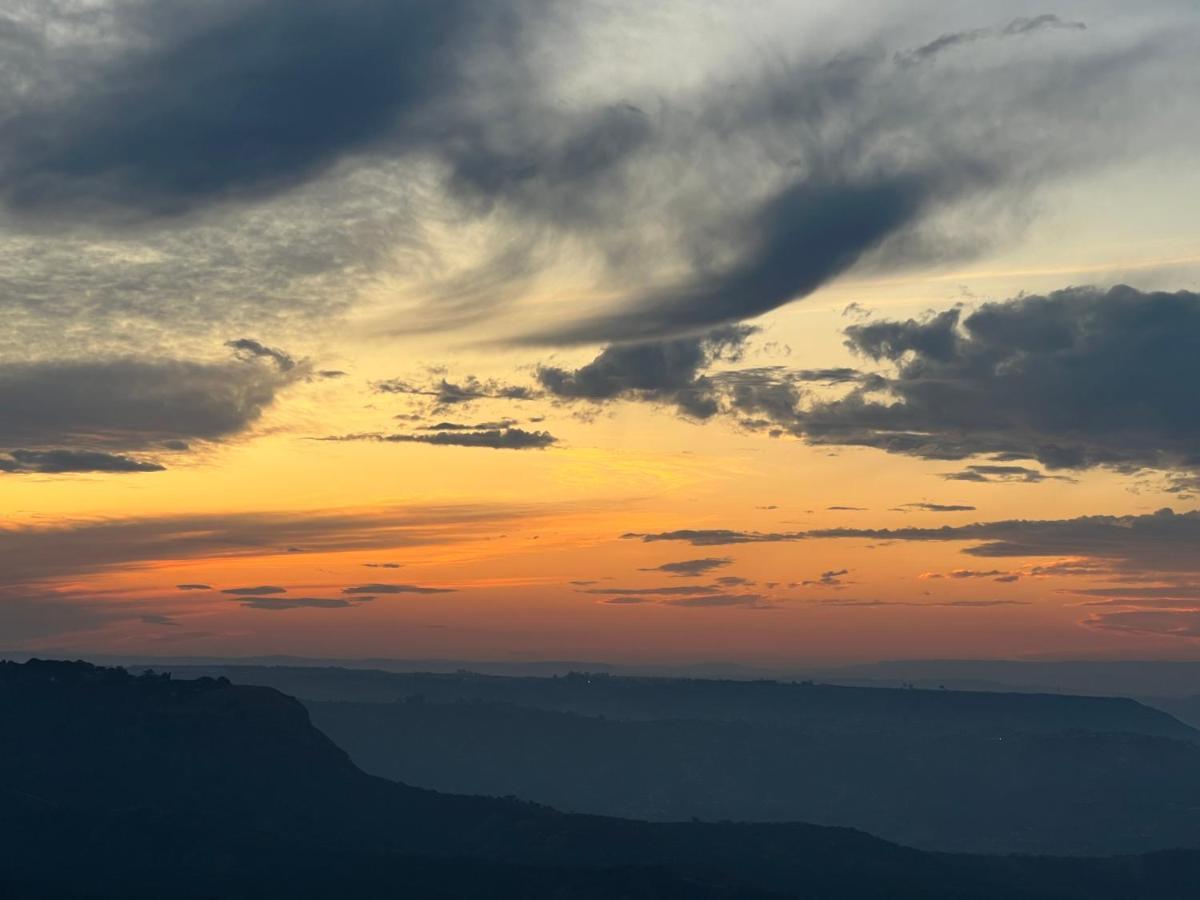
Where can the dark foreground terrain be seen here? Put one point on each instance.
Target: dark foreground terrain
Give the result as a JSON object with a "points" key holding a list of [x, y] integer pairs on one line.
{"points": [[113, 785], [960, 771]]}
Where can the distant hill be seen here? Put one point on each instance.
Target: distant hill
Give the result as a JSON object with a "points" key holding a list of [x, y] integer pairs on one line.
{"points": [[113, 785], [1150, 678], [1056, 774], [819, 708], [1100, 677], [533, 667], [1123, 678], [1171, 686], [1185, 709], [1074, 792]]}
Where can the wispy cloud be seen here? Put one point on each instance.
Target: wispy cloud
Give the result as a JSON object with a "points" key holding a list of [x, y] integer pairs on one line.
{"points": [[34, 553], [1163, 541], [497, 439], [691, 568]]}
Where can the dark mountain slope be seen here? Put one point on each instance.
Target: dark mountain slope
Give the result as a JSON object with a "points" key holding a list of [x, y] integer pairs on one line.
{"points": [[60, 853]]}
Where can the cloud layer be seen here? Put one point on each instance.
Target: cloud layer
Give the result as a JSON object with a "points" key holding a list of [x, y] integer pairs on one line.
{"points": [[82, 416], [1163, 542], [491, 438], [667, 372], [42, 553], [295, 134], [54, 462], [1074, 379]]}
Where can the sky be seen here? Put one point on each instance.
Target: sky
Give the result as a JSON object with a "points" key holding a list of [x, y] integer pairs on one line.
{"points": [[770, 333]]}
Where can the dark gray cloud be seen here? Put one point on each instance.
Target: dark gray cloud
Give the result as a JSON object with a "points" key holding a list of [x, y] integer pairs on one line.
{"points": [[682, 590], [1028, 24], [691, 568], [1021, 26], [447, 395], [461, 426], [1075, 379], [667, 372], [248, 348], [799, 239], [1078, 378], [709, 601], [262, 590], [395, 589], [881, 164], [185, 167], [384, 565], [759, 397], [959, 574], [715, 537], [923, 506], [1067, 567], [238, 99], [124, 404], [734, 581], [50, 462], [157, 619], [501, 439], [832, 578], [1001, 474], [280, 603], [193, 587]]}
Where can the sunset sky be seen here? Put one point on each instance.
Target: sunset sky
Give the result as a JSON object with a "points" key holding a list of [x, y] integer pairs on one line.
{"points": [[778, 333]]}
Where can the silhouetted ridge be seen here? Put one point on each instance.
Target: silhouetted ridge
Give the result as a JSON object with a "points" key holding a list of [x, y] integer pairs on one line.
{"points": [[103, 738], [822, 708], [114, 785]]}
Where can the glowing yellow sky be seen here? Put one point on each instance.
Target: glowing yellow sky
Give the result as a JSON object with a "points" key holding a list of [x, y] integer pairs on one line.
{"points": [[558, 517]]}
